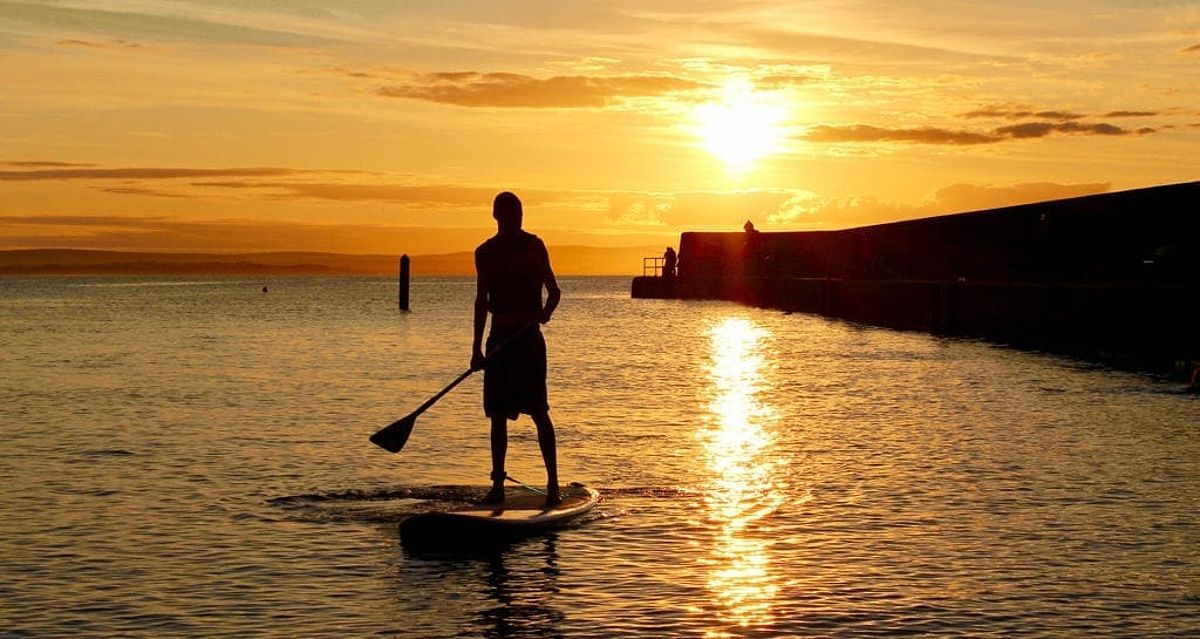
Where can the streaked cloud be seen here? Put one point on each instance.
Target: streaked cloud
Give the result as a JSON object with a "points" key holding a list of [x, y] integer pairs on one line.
{"points": [[144, 173], [1192, 49], [345, 192], [1043, 129], [160, 22], [110, 44], [474, 89], [134, 190], [795, 44], [1021, 114], [46, 163], [808, 211], [973, 197], [933, 135], [924, 135], [162, 233], [1131, 114]]}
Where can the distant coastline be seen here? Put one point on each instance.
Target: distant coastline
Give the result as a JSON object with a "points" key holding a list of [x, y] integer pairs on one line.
{"points": [[568, 260]]}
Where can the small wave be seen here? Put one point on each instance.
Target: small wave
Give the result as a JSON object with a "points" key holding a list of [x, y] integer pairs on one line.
{"points": [[424, 493], [450, 493], [107, 452], [651, 492], [147, 284]]}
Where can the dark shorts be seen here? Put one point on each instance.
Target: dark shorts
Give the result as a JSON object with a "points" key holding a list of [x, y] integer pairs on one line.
{"points": [[514, 380]]}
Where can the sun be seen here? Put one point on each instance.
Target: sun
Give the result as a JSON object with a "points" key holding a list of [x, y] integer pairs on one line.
{"points": [[739, 127]]}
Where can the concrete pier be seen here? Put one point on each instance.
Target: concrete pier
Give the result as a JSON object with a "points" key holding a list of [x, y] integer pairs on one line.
{"points": [[1113, 276]]}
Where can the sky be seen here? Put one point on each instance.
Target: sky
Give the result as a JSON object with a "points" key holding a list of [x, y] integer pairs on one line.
{"points": [[387, 126]]}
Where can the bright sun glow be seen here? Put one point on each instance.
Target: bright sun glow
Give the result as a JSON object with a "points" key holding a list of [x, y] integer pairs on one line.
{"points": [[739, 127]]}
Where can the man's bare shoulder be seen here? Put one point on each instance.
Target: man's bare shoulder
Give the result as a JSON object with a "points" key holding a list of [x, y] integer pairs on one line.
{"points": [[486, 247]]}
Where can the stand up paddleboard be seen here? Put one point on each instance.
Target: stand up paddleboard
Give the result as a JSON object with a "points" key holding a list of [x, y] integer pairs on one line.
{"points": [[522, 514]]}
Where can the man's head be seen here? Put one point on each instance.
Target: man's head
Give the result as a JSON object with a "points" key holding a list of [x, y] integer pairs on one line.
{"points": [[506, 208]]}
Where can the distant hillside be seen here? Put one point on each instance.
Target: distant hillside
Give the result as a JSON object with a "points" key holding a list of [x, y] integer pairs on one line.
{"points": [[568, 260]]}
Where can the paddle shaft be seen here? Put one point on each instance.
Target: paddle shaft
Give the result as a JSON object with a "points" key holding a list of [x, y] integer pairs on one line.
{"points": [[467, 373]]}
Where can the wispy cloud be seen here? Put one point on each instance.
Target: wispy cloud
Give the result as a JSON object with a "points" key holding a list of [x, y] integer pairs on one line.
{"points": [[474, 89], [134, 190], [1131, 114], [818, 212], [424, 195], [869, 133], [342, 192], [147, 173], [1043, 129], [1195, 48], [931, 135], [92, 44], [165, 234], [46, 163], [157, 22], [1021, 114], [790, 44]]}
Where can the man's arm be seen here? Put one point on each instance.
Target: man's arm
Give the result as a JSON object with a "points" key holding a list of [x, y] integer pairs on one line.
{"points": [[553, 293], [481, 311]]}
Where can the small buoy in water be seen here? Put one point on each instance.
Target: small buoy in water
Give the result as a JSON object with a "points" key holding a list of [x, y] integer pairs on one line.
{"points": [[264, 289]]}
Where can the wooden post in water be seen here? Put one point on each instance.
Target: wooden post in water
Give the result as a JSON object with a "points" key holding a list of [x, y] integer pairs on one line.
{"points": [[404, 282]]}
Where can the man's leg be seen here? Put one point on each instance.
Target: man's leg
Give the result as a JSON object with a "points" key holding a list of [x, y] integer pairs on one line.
{"points": [[545, 432], [499, 451]]}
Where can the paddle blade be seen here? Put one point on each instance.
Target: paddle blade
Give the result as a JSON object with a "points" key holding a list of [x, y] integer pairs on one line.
{"points": [[392, 437]]}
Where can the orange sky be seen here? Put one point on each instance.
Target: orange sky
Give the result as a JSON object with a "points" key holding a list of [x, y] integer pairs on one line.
{"points": [[385, 127]]}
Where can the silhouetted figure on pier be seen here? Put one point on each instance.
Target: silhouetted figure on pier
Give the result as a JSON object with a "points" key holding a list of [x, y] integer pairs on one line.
{"points": [[669, 262], [1194, 384], [749, 227], [511, 270]]}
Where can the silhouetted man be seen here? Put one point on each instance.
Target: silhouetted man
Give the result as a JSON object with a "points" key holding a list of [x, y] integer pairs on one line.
{"points": [[511, 269], [669, 261]]}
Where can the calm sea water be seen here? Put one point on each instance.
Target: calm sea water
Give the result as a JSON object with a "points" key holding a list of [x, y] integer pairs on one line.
{"points": [[189, 457]]}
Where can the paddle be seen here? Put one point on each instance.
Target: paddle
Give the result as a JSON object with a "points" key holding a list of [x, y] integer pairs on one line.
{"points": [[393, 436]]}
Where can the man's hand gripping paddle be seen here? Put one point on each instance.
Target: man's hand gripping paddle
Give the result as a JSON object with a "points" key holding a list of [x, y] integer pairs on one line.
{"points": [[393, 437]]}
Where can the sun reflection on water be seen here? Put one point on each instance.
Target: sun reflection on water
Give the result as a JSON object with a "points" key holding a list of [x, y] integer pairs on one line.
{"points": [[746, 479]]}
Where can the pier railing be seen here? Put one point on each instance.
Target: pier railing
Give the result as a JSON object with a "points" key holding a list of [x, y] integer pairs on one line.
{"points": [[653, 266]]}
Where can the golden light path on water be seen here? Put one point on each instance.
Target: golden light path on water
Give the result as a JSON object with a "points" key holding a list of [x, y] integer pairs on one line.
{"points": [[747, 477]]}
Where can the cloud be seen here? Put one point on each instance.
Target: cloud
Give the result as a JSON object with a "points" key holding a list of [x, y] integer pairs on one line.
{"points": [[162, 234], [788, 44], [30, 164], [931, 135], [784, 80], [807, 211], [619, 216], [151, 234], [146, 173], [473, 89], [1130, 114], [133, 190], [169, 25], [1043, 129], [1192, 49], [342, 192], [1020, 114], [869, 133], [695, 210], [91, 44], [973, 197]]}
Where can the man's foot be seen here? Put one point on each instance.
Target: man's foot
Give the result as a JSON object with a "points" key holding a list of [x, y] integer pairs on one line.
{"points": [[553, 496], [494, 496]]}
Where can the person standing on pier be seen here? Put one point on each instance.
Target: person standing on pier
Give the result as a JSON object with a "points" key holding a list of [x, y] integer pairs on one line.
{"points": [[669, 261], [512, 268]]}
